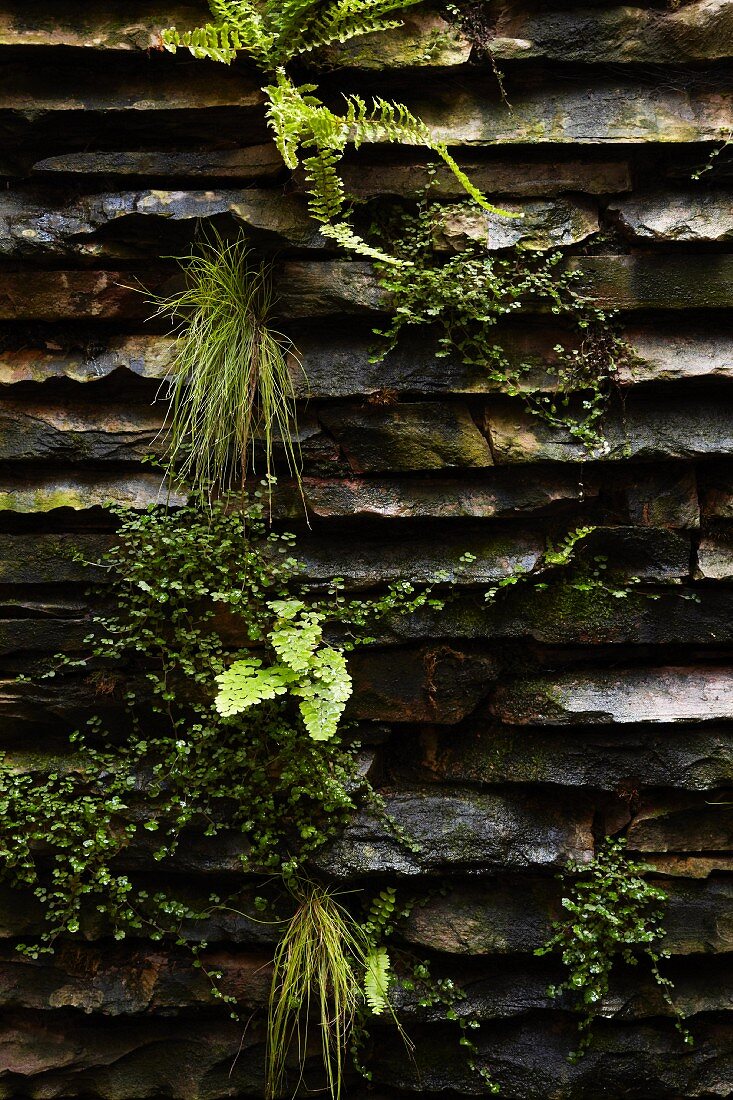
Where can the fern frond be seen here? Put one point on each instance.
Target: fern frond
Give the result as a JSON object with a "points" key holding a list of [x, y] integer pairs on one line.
{"points": [[344, 235], [240, 28], [384, 121], [326, 195], [377, 979], [215, 43], [289, 113], [346, 19], [470, 188]]}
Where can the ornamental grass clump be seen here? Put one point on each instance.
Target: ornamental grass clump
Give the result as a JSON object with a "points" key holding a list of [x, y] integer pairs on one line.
{"points": [[230, 386], [319, 964]]}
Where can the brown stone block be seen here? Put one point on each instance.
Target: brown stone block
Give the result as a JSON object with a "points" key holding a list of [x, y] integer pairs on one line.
{"points": [[130, 224], [66, 295], [82, 489], [685, 824], [648, 427], [502, 176], [483, 753], [246, 164], [35, 432], [594, 111], [496, 495], [461, 830], [435, 684], [677, 216], [513, 915], [697, 31]]}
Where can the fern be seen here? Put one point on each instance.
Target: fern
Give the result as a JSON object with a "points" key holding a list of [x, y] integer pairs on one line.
{"points": [[377, 979], [272, 33], [306, 668], [246, 683], [324, 693], [301, 122]]}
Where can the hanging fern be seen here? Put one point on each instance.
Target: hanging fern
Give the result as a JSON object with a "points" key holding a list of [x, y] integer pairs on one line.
{"points": [[272, 33]]}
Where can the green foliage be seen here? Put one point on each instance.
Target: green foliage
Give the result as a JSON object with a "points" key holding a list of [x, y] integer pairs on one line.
{"points": [[443, 991], [317, 973], [612, 913], [307, 668], [463, 298], [182, 582], [305, 130], [712, 161], [377, 979], [231, 387], [273, 32], [554, 558]]}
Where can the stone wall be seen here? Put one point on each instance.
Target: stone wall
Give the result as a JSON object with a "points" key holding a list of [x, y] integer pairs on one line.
{"points": [[507, 738]]}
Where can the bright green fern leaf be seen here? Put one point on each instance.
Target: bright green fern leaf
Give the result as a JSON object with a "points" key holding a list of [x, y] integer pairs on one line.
{"points": [[295, 642], [324, 693], [272, 33], [377, 979], [246, 683]]}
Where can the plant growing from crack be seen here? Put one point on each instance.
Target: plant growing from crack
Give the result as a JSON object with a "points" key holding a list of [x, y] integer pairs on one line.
{"points": [[273, 33], [230, 383], [612, 912], [464, 297]]}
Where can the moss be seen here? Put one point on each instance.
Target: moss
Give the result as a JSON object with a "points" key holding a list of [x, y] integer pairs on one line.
{"points": [[42, 500]]}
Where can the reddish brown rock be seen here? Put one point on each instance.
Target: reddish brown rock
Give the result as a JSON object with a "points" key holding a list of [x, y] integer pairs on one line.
{"points": [[438, 684]]}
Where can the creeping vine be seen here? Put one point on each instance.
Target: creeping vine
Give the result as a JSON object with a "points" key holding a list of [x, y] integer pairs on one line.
{"points": [[464, 297], [611, 912]]}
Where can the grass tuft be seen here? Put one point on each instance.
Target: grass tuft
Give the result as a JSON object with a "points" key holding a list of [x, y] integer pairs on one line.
{"points": [[318, 967], [230, 386]]}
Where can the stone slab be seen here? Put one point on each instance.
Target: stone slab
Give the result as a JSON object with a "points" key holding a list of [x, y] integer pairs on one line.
{"points": [[435, 683], [80, 490], [677, 216], [540, 225], [529, 1061], [495, 495], [464, 830], [715, 558], [512, 916], [310, 289], [246, 164], [115, 224], [698, 31], [685, 823], [677, 355], [656, 695], [142, 86], [561, 616], [103, 26], [500, 176], [592, 111], [145, 356], [649, 426], [35, 432], [481, 754], [408, 436]]}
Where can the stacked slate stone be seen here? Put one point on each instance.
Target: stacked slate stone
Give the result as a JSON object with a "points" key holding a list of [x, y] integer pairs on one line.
{"points": [[508, 738]]}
